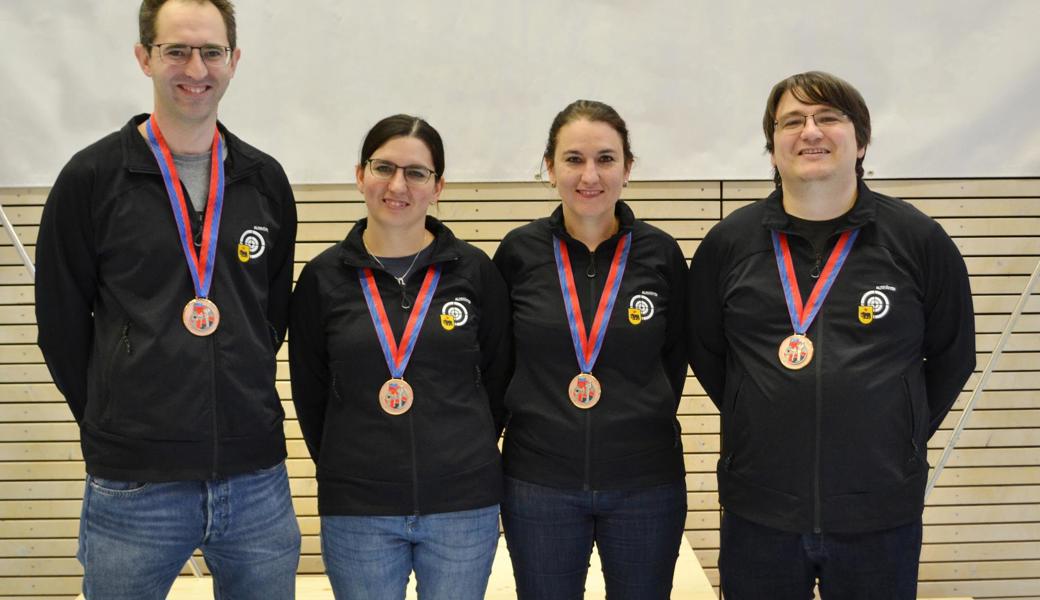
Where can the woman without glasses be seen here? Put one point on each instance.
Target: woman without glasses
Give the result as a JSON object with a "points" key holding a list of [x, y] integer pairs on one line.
{"points": [[592, 448], [399, 351]]}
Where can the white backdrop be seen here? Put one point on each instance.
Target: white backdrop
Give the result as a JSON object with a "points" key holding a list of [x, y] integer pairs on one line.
{"points": [[953, 85]]}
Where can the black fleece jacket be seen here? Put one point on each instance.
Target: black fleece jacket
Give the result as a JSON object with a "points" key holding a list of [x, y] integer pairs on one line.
{"points": [[442, 454], [841, 445], [153, 401], [631, 438]]}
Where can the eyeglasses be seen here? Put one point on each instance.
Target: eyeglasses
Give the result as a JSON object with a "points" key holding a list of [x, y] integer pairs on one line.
{"points": [[173, 53], [413, 174], [824, 119]]}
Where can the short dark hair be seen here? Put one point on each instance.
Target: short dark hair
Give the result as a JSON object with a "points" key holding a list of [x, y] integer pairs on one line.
{"points": [[589, 110], [149, 12], [817, 87], [404, 126]]}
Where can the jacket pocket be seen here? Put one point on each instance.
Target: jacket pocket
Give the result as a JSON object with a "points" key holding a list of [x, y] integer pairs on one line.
{"points": [[737, 435], [122, 347], [729, 407], [335, 388], [482, 393], [915, 450]]}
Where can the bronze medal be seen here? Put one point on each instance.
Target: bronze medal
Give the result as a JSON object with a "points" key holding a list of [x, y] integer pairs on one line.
{"points": [[395, 397], [200, 317], [584, 390], [796, 351]]}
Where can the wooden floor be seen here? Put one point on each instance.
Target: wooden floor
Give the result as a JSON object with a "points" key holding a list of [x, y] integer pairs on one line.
{"points": [[690, 582]]}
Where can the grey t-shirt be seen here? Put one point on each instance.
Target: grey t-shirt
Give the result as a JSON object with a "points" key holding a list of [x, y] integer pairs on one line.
{"points": [[193, 170]]}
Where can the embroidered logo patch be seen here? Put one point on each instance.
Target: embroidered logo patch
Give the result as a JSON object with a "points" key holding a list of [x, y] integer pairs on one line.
{"points": [[878, 303], [455, 313], [251, 245], [641, 308]]}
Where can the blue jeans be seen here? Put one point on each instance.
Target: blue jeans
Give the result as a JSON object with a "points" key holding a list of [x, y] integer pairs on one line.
{"points": [[370, 558], [135, 537], [756, 561], [550, 533]]}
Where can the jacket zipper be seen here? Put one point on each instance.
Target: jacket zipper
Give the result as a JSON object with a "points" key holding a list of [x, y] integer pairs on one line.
{"points": [[411, 419], [411, 422], [213, 399], [590, 274], [817, 521], [817, 354], [415, 465], [818, 369]]}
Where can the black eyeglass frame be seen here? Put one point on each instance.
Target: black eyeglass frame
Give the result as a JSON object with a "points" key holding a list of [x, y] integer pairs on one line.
{"points": [[228, 50], [430, 172]]}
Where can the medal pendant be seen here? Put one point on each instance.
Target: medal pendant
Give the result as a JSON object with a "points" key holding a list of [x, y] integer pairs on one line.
{"points": [[395, 397], [200, 317], [796, 351], [584, 390]]}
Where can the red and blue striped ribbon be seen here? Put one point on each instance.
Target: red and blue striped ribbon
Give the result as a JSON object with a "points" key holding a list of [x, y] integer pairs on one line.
{"points": [[587, 347], [397, 357], [199, 265], [802, 316]]}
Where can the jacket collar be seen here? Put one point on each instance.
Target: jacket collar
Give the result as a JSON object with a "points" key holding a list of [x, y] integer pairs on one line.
{"points": [[862, 213], [353, 253], [626, 220], [242, 159]]}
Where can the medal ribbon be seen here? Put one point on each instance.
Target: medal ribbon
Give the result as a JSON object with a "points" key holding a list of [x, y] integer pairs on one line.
{"points": [[200, 265], [397, 357], [587, 347], [802, 316]]}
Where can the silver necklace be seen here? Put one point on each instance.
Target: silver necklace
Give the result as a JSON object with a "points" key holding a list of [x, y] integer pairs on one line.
{"points": [[405, 302], [400, 279]]}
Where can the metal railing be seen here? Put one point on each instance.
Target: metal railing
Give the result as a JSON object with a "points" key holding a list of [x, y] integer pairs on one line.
{"points": [[983, 379], [20, 248]]}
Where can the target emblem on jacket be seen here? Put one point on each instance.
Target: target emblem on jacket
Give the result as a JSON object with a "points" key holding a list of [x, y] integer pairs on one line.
{"points": [[640, 308], [877, 301], [454, 314], [252, 241]]}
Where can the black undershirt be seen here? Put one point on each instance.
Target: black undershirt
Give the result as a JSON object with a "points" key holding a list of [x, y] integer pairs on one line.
{"points": [[817, 232]]}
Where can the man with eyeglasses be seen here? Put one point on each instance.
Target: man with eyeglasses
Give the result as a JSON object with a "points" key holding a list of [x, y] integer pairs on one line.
{"points": [[833, 328], [165, 258]]}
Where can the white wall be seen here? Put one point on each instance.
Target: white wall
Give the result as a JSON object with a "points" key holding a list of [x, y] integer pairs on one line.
{"points": [[953, 85]]}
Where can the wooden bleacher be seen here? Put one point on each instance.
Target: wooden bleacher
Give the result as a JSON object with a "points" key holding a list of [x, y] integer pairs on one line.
{"points": [[982, 523]]}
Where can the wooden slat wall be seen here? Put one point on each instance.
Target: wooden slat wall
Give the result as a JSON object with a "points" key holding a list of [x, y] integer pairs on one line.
{"points": [[982, 535]]}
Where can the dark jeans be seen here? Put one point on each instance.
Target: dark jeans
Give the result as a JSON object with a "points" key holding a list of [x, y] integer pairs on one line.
{"points": [[761, 562], [550, 533]]}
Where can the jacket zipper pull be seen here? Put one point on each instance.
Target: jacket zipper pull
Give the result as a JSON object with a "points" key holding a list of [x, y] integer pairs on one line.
{"points": [[815, 273], [590, 271], [405, 302]]}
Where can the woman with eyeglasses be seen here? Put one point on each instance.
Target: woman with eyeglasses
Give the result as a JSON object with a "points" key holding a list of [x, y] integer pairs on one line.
{"points": [[592, 445], [399, 350]]}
